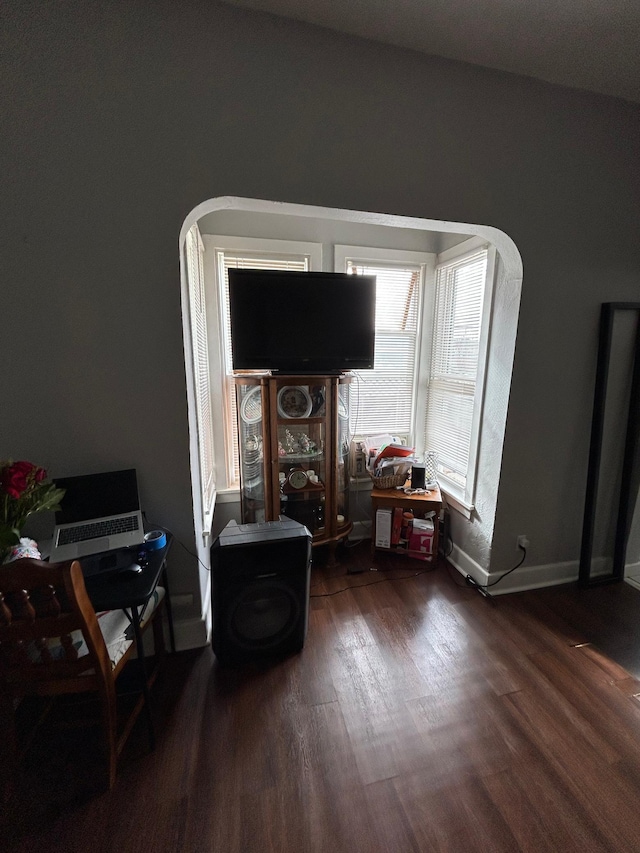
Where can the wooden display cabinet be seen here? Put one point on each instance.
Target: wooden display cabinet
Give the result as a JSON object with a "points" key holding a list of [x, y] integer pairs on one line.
{"points": [[294, 451]]}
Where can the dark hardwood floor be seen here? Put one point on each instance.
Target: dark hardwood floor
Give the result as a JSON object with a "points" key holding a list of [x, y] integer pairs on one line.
{"points": [[420, 716]]}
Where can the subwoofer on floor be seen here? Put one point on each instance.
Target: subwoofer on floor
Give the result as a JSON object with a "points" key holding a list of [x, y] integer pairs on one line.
{"points": [[260, 575]]}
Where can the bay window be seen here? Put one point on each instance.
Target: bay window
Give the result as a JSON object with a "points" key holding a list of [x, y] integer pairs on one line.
{"points": [[432, 327]]}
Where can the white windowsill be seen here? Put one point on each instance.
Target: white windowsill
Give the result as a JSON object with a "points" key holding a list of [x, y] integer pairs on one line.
{"points": [[207, 523], [455, 498], [454, 501], [228, 496]]}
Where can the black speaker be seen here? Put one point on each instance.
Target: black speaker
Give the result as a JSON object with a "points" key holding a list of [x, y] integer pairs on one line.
{"points": [[260, 575], [418, 474]]}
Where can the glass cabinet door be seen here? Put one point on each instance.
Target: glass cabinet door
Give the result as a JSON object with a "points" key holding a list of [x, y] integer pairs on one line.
{"points": [[342, 455], [301, 448], [293, 447], [251, 450]]}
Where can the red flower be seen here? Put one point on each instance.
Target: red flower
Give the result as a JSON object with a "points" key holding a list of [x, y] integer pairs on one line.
{"points": [[15, 478], [23, 491]]}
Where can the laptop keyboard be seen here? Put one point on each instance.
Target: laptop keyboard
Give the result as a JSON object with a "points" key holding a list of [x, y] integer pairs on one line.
{"points": [[97, 529]]}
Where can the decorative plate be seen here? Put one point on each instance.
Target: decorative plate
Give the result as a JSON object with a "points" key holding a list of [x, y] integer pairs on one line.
{"points": [[251, 406], [294, 402]]}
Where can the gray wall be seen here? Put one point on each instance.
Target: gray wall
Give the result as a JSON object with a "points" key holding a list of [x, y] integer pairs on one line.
{"points": [[120, 117]]}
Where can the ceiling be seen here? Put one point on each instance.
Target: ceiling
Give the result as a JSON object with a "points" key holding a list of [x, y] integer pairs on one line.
{"points": [[587, 44]]}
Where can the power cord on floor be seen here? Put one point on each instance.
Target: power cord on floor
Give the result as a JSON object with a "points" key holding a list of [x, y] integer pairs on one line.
{"points": [[370, 583], [483, 587]]}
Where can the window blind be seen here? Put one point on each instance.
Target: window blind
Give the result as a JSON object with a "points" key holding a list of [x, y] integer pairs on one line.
{"points": [[245, 260], [383, 401], [202, 388], [460, 287]]}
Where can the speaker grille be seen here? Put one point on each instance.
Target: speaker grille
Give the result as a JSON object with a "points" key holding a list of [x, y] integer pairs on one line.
{"points": [[263, 614]]}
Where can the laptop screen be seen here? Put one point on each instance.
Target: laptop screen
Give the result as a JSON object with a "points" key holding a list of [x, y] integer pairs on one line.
{"points": [[97, 495]]}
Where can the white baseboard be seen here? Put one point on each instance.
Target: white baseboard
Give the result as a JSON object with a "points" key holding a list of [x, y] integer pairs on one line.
{"points": [[190, 633], [632, 574], [532, 577], [195, 632], [523, 578]]}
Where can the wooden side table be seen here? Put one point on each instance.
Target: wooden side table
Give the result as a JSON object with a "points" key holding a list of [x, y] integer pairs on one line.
{"points": [[420, 505]]}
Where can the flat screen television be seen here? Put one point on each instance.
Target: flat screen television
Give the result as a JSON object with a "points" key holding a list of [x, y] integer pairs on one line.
{"points": [[301, 322]]}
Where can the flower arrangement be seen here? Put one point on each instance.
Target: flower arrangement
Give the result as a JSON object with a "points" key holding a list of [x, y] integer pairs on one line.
{"points": [[23, 490]]}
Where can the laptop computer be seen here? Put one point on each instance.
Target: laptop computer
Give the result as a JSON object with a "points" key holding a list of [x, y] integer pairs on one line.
{"points": [[99, 512]]}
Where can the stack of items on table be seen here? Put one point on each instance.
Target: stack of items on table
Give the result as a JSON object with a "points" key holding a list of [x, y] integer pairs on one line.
{"points": [[386, 457]]}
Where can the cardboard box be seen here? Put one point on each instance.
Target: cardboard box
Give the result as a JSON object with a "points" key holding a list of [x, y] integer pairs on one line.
{"points": [[421, 544], [383, 528]]}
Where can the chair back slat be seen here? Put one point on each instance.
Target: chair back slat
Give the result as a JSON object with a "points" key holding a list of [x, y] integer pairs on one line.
{"points": [[48, 629], [48, 603], [21, 608]]}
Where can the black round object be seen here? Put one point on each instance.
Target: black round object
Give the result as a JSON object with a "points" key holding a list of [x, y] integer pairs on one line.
{"points": [[263, 614]]}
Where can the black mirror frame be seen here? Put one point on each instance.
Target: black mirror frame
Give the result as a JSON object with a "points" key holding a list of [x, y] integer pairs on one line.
{"points": [[631, 459]]}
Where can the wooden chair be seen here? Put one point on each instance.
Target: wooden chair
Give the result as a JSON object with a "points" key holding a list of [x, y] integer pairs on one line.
{"points": [[52, 643]]}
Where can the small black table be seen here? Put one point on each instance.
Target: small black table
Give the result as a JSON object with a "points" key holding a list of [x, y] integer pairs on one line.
{"points": [[110, 591]]}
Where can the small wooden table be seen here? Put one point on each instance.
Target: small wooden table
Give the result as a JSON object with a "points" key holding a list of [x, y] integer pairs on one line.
{"points": [[420, 505]]}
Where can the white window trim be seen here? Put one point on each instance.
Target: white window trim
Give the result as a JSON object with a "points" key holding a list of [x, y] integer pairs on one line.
{"points": [[214, 244], [205, 470], [463, 499]]}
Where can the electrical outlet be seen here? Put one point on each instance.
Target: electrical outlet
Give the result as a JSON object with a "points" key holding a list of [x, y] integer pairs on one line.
{"points": [[523, 541]]}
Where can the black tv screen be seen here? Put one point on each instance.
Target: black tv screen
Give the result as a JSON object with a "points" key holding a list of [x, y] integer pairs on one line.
{"points": [[301, 322]]}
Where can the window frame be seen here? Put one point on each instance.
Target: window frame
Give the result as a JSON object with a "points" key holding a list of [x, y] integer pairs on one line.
{"points": [[200, 337], [227, 488], [426, 261], [461, 499]]}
